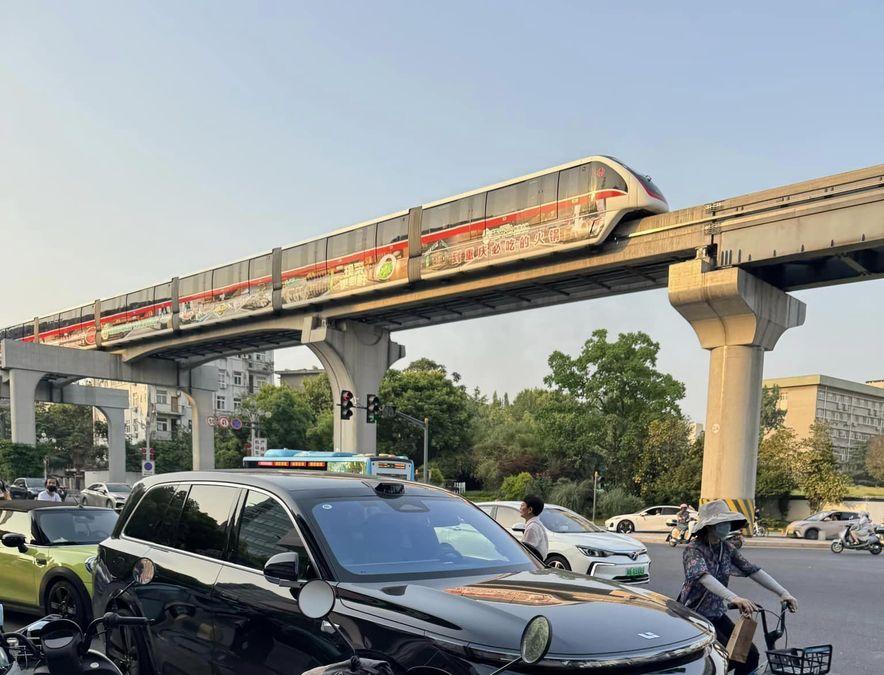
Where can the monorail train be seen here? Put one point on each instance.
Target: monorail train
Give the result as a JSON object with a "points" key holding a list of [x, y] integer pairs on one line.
{"points": [[566, 207]]}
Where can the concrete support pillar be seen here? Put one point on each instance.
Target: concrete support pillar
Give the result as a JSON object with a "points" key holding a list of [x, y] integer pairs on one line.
{"points": [[116, 443], [737, 317], [22, 396], [203, 381], [355, 357]]}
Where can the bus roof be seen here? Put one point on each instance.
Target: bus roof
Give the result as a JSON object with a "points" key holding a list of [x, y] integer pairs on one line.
{"points": [[323, 454]]}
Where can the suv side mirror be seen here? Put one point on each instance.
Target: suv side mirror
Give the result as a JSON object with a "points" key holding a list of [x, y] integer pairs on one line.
{"points": [[283, 570], [15, 540]]}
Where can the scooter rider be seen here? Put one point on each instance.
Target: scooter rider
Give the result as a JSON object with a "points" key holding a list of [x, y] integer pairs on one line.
{"points": [[682, 520], [709, 561], [860, 533]]}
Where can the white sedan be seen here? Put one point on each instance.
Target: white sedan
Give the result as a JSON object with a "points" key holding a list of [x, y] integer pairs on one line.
{"points": [[578, 545], [651, 519]]}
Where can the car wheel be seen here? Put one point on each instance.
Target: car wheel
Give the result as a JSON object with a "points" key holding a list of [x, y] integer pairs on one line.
{"points": [[558, 562], [127, 648], [812, 533], [625, 527], [64, 598]]}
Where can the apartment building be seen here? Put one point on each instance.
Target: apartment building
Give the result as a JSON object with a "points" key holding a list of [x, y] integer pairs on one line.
{"points": [[853, 410]]}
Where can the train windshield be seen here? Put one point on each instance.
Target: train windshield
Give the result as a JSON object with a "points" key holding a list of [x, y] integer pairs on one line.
{"points": [[648, 185]]}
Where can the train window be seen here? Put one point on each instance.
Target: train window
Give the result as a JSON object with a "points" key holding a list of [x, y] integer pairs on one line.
{"points": [[194, 284], [113, 306], [69, 318], [261, 268], [303, 255], [606, 178], [162, 292], [574, 182], [453, 214], [393, 230], [354, 241], [139, 299], [522, 199], [548, 196], [87, 313], [230, 275], [20, 331], [48, 323]]}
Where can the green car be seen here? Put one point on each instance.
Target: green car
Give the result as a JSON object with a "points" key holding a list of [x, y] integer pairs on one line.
{"points": [[47, 555]]}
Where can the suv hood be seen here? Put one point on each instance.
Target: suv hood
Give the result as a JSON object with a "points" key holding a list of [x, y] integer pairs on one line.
{"points": [[591, 619], [606, 541]]}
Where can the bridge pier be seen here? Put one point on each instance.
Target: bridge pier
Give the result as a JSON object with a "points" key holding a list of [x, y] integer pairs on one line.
{"points": [[22, 404], [737, 317], [116, 442], [355, 357], [203, 381]]}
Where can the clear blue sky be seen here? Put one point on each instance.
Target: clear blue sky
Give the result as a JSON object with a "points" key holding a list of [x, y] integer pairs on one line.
{"points": [[143, 140]]}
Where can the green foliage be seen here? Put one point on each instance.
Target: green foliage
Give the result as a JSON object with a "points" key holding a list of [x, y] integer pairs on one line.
{"points": [[71, 431], [671, 465], [772, 416], [320, 436], [777, 460], [818, 474], [874, 460], [611, 392], [617, 501], [436, 476], [573, 495], [515, 488], [18, 460], [285, 416], [425, 390], [318, 395], [229, 448], [175, 454]]}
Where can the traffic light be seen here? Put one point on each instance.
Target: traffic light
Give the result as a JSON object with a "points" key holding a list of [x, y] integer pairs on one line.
{"points": [[347, 403], [372, 408]]}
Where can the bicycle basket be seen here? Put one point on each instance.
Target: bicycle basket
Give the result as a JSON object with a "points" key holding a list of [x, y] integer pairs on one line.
{"points": [[808, 661]]}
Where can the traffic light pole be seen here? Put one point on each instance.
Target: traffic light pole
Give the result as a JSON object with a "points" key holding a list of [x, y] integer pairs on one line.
{"points": [[390, 411]]}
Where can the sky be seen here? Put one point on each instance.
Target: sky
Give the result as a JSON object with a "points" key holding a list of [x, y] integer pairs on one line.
{"points": [[139, 141]]}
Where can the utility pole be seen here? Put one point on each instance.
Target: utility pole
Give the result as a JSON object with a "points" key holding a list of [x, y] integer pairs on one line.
{"points": [[595, 487]]}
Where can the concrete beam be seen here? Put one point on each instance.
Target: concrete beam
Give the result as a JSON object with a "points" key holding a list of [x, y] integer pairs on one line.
{"points": [[737, 318]]}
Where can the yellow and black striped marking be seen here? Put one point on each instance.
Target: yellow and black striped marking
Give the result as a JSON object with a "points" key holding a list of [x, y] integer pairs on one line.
{"points": [[745, 507]]}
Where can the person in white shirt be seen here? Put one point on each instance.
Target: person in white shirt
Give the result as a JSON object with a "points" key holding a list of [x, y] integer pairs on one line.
{"points": [[50, 494], [535, 534]]}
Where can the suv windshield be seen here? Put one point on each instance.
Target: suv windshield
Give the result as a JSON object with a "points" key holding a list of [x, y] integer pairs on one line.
{"points": [[820, 515], [118, 487], [557, 520], [66, 527], [34, 482], [380, 538]]}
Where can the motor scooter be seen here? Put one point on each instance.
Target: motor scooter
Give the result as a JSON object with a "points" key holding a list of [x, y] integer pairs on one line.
{"points": [[57, 646], [872, 544], [678, 535], [316, 599]]}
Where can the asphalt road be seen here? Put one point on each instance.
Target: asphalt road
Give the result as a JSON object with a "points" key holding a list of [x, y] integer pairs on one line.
{"points": [[840, 599]]}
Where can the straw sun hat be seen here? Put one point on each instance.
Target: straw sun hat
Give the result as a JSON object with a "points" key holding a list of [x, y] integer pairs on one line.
{"points": [[715, 512]]}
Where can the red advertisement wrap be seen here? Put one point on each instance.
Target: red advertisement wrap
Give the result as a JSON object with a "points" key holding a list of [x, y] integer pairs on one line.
{"points": [[226, 303]]}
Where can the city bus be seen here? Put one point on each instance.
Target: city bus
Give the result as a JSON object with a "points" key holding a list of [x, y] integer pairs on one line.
{"points": [[394, 466]]}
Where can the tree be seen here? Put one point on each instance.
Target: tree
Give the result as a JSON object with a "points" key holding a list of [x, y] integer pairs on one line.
{"points": [[612, 392], [671, 465], [818, 474], [72, 431], [18, 460], [285, 416], [772, 416], [425, 390], [875, 457], [229, 449], [175, 454], [778, 459]]}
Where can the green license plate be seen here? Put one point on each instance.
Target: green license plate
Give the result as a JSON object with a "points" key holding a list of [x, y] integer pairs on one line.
{"points": [[635, 571]]}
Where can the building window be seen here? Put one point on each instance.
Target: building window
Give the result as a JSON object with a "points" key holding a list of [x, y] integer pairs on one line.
{"points": [[220, 402], [237, 402], [222, 378], [162, 424], [162, 397], [237, 377], [260, 382]]}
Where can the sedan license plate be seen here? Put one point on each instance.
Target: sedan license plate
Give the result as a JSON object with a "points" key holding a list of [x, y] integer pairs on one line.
{"points": [[635, 571]]}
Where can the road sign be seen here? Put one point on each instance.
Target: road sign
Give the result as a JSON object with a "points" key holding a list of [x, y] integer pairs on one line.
{"points": [[224, 422], [259, 447], [147, 468], [211, 420], [235, 423], [248, 446]]}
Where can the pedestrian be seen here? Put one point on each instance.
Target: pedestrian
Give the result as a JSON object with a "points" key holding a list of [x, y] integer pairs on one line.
{"points": [[709, 561], [50, 494], [4, 490], [535, 534]]}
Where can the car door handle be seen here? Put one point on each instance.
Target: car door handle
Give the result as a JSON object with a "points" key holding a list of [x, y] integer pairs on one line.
{"points": [[40, 561]]}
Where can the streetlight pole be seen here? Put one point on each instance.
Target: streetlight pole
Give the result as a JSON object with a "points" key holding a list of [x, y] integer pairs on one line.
{"points": [[389, 411], [595, 486]]}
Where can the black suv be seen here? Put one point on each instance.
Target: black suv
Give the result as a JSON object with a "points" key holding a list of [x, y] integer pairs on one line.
{"points": [[424, 579]]}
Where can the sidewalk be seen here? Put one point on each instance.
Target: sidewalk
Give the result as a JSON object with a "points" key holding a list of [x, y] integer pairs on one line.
{"points": [[749, 542]]}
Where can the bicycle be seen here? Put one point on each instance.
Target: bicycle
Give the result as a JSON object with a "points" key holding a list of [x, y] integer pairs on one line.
{"points": [[758, 530], [816, 660]]}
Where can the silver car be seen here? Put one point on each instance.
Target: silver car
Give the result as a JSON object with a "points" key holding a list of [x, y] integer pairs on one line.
{"points": [[108, 495], [822, 525]]}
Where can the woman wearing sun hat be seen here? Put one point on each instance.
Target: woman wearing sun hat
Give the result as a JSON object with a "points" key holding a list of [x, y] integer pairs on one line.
{"points": [[709, 561]]}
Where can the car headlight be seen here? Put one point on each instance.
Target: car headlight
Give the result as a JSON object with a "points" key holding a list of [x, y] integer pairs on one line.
{"points": [[90, 564], [593, 552]]}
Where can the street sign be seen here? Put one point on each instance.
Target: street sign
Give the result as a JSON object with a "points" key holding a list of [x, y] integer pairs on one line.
{"points": [[224, 422], [259, 447], [235, 423], [147, 468], [248, 446], [211, 420]]}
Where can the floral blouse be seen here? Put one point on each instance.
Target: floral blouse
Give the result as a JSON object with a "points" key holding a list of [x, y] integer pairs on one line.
{"points": [[722, 561]]}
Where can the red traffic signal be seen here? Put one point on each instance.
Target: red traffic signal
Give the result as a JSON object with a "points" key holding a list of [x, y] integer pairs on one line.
{"points": [[347, 403]]}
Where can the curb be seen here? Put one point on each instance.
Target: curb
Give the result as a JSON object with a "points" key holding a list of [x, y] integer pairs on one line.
{"points": [[748, 542]]}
